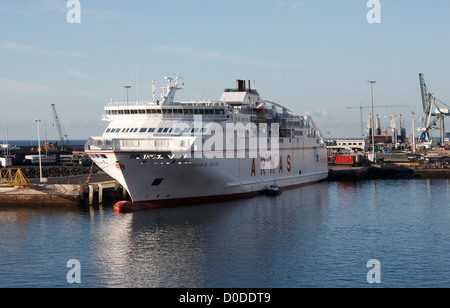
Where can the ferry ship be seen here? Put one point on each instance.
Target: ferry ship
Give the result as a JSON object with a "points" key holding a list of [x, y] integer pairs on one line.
{"points": [[167, 152]]}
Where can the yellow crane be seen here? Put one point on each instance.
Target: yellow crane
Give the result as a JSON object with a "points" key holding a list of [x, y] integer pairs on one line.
{"points": [[13, 177]]}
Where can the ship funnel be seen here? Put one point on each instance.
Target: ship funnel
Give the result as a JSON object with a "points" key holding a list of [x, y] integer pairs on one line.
{"points": [[240, 85]]}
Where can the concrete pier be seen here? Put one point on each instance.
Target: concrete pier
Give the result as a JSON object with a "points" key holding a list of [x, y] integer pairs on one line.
{"points": [[56, 192]]}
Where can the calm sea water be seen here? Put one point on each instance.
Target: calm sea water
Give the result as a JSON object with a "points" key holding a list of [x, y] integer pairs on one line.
{"points": [[317, 236]]}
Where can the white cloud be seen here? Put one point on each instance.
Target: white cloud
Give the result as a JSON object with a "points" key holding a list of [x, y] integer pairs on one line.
{"points": [[8, 85], [211, 54], [37, 51], [319, 115], [79, 75], [293, 5]]}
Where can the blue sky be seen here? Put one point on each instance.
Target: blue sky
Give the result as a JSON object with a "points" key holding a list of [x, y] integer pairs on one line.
{"points": [[312, 56]]}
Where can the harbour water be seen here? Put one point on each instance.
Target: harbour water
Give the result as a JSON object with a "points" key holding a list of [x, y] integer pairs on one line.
{"points": [[316, 236]]}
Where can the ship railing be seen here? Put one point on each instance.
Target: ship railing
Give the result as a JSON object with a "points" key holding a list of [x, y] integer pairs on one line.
{"points": [[134, 103], [145, 145], [99, 144], [151, 103], [108, 117], [191, 116]]}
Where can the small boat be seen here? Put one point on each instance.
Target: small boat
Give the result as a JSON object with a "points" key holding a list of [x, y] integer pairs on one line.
{"points": [[273, 190]]}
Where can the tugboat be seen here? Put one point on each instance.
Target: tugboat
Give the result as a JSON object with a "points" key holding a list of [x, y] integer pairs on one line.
{"points": [[273, 190]]}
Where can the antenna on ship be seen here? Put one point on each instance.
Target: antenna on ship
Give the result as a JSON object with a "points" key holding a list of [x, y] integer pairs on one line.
{"points": [[137, 84], [169, 91], [154, 91]]}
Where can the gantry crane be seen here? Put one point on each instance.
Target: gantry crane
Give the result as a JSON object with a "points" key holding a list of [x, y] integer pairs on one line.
{"points": [[431, 118], [62, 137], [361, 113]]}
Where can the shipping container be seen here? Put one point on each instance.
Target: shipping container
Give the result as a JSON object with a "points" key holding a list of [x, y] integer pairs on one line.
{"points": [[345, 159]]}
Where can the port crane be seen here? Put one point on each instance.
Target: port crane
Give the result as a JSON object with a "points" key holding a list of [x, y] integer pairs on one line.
{"points": [[63, 138], [361, 107], [430, 119]]}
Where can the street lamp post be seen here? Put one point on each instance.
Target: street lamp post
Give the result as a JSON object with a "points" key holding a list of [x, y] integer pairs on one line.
{"points": [[39, 149], [413, 132], [373, 124]]}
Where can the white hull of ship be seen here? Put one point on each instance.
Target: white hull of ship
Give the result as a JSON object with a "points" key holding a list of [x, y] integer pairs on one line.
{"points": [[176, 181]]}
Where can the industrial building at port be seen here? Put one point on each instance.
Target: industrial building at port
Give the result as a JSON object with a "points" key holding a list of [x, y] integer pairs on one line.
{"points": [[391, 142]]}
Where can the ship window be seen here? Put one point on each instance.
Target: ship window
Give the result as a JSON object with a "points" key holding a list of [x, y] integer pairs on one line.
{"points": [[120, 111], [133, 111], [123, 130], [151, 130], [143, 130], [158, 110], [117, 130], [141, 111], [108, 130], [165, 130], [135, 130], [156, 182], [160, 130], [127, 111]]}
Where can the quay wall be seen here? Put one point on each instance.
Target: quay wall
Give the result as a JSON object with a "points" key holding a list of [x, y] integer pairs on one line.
{"points": [[62, 194], [346, 173], [42, 195]]}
